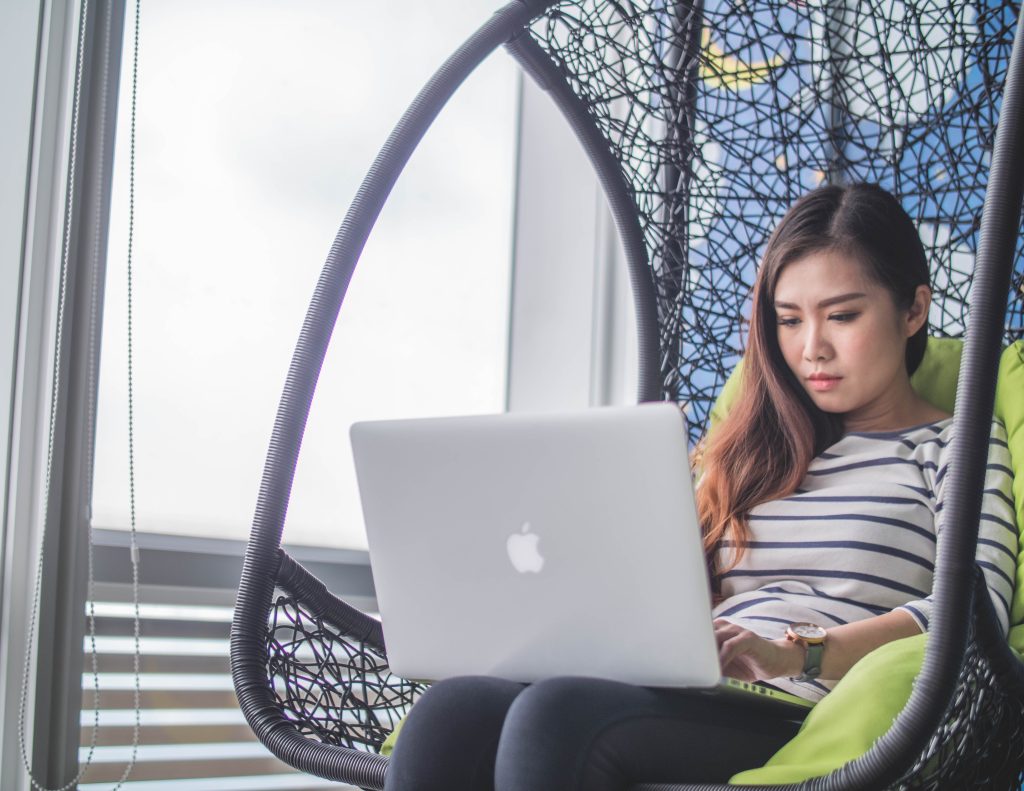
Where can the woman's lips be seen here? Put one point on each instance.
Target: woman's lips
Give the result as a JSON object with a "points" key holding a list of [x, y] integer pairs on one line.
{"points": [[826, 383]]}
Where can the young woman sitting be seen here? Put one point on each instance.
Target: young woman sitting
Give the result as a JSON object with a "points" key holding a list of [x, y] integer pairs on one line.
{"points": [[819, 496]]}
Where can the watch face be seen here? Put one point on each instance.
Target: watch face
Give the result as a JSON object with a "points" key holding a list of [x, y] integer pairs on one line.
{"points": [[808, 631]]}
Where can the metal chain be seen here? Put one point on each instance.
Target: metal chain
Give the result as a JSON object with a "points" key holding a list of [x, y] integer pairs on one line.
{"points": [[137, 694], [55, 389]]}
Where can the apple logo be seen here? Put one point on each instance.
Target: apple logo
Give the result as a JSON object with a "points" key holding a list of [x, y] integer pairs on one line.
{"points": [[523, 552]]}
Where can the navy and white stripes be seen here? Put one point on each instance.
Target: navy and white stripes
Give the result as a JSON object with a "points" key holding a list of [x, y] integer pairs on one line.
{"points": [[858, 538]]}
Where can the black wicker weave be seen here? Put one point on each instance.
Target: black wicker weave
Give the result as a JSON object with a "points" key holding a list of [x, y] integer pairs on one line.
{"points": [[722, 114], [328, 665], [704, 121]]}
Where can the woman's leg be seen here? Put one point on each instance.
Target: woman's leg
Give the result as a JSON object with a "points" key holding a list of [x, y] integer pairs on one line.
{"points": [[450, 736], [576, 734]]}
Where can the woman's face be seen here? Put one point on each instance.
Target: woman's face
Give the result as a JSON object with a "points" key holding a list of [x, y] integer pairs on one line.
{"points": [[843, 337]]}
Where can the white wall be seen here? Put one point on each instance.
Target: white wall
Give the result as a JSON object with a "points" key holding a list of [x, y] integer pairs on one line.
{"points": [[572, 335]]}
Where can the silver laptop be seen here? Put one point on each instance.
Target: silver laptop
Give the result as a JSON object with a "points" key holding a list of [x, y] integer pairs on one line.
{"points": [[533, 545]]}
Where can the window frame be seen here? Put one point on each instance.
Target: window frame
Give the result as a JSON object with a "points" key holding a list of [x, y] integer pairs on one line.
{"points": [[59, 209]]}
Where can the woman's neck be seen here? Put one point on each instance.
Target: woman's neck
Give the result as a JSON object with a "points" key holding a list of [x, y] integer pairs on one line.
{"points": [[900, 410]]}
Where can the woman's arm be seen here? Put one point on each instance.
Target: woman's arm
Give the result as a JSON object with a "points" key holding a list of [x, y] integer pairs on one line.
{"points": [[747, 657]]}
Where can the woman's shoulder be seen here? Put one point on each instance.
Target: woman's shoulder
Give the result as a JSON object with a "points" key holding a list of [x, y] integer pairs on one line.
{"points": [[997, 428], [926, 437], [941, 444], [997, 434]]}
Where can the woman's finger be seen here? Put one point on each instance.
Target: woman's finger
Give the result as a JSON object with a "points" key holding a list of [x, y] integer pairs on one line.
{"points": [[733, 647], [725, 631]]}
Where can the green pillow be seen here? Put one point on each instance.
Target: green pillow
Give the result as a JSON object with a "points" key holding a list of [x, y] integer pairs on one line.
{"points": [[1010, 409], [847, 721], [935, 377], [389, 743]]}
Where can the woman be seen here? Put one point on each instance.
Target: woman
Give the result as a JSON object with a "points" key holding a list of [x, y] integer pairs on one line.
{"points": [[818, 500]]}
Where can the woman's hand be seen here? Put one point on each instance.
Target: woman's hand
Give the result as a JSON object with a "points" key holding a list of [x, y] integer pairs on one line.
{"points": [[748, 657]]}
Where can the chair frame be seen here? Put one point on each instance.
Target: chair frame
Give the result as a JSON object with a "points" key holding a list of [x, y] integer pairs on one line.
{"points": [[962, 623]]}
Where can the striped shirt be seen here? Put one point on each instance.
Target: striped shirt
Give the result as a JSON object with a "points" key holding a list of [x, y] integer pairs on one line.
{"points": [[858, 538]]}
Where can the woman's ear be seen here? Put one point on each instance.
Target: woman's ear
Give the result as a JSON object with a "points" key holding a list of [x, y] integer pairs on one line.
{"points": [[917, 314]]}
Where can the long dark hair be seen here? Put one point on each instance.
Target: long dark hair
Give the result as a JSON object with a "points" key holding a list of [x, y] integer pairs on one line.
{"points": [[762, 449]]}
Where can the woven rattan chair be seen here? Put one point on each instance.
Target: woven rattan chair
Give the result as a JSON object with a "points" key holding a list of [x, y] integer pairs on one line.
{"points": [[704, 121]]}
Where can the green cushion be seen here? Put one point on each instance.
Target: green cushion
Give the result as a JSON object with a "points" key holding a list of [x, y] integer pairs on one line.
{"points": [[846, 722], [1010, 408], [935, 377], [863, 705], [389, 743]]}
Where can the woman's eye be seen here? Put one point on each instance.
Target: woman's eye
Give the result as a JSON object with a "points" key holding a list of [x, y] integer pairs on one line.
{"points": [[788, 322], [843, 317]]}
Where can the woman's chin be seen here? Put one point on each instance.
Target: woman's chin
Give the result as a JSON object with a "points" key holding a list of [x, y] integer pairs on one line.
{"points": [[829, 402]]}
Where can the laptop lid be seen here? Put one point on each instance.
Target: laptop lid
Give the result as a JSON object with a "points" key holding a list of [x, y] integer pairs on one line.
{"points": [[531, 545]]}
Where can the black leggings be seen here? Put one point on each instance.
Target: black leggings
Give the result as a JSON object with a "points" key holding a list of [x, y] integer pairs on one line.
{"points": [[575, 734]]}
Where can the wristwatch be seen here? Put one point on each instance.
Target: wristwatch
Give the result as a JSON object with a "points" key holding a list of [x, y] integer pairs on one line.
{"points": [[812, 638]]}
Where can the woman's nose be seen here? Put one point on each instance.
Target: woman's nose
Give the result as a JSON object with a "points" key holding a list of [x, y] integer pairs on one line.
{"points": [[816, 346]]}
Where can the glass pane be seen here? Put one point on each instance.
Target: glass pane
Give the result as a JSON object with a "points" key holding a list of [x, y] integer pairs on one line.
{"points": [[256, 123]]}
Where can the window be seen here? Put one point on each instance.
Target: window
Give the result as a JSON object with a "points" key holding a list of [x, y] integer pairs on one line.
{"points": [[255, 127]]}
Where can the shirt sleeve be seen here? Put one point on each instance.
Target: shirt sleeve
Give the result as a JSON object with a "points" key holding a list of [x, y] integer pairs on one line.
{"points": [[997, 529]]}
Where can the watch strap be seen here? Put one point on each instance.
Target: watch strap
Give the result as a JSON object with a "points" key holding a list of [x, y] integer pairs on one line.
{"points": [[812, 661]]}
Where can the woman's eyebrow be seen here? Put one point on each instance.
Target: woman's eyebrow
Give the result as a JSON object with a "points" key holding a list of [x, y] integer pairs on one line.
{"points": [[825, 302]]}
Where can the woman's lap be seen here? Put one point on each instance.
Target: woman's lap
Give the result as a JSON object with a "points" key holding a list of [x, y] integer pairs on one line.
{"points": [[575, 733], [450, 736]]}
